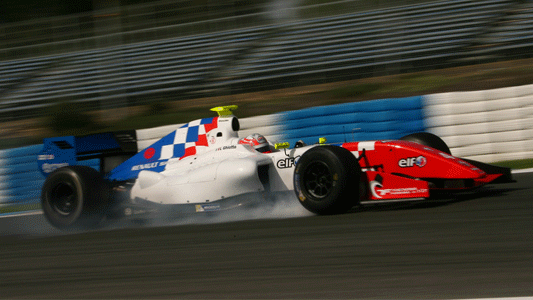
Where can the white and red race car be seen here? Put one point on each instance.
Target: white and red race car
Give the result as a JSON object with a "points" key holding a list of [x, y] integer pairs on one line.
{"points": [[205, 166]]}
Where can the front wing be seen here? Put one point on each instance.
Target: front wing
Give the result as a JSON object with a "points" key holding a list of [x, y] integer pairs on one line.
{"points": [[384, 186]]}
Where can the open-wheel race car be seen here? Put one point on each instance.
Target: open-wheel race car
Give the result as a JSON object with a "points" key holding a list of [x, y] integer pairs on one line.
{"points": [[204, 166]]}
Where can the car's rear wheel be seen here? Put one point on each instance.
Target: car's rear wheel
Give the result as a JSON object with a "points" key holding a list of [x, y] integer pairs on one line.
{"points": [[326, 180], [74, 197], [428, 139]]}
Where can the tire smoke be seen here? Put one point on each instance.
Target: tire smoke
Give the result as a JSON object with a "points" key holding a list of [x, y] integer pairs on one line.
{"points": [[281, 206]]}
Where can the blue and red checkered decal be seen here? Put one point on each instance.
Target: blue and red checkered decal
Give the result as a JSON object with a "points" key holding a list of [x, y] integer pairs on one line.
{"points": [[180, 143], [187, 138]]}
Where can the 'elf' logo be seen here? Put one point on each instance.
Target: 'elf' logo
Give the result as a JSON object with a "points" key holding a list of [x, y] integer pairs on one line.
{"points": [[287, 162], [412, 161]]}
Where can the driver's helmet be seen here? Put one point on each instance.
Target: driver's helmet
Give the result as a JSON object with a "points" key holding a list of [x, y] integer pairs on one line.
{"points": [[257, 141]]}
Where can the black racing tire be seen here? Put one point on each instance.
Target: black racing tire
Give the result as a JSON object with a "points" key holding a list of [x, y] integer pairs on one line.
{"points": [[75, 197], [428, 139], [326, 180]]}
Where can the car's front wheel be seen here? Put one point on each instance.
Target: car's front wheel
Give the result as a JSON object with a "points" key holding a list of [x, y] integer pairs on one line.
{"points": [[427, 139], [326, 180]]}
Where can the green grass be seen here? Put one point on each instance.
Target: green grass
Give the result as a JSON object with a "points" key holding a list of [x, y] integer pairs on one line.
{"points": [[516, 164], [418, 83], [13, 208], [351, 91]]}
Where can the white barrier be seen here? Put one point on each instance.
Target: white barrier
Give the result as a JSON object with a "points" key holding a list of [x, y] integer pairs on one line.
{"points": [[268, 125], [489, 126]]}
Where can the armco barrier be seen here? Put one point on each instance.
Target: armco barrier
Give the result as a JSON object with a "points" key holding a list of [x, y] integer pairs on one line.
{"points": [[489, 126]]}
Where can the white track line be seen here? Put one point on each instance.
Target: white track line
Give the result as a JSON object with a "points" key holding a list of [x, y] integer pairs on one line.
{"points": [[502, 298], [519, 171], [21, 214]]}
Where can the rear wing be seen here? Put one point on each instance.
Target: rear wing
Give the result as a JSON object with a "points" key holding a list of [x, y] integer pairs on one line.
{"points": [[111, 148]]}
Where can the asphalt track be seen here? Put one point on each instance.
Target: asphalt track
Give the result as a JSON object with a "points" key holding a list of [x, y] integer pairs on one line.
{"points": [[472, 246]]}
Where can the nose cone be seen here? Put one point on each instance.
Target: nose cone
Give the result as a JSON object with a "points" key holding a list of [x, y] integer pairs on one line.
{"points": [[425, 162]]}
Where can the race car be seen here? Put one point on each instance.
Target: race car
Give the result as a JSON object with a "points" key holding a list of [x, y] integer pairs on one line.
{"points": [[204, 166]]}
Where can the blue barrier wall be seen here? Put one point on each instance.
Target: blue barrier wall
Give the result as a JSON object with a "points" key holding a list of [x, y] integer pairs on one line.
{"points": [[21, 181], [358, 121]]}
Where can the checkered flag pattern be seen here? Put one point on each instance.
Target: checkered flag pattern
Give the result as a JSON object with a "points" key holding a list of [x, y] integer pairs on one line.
{"points": [[187, 138]]}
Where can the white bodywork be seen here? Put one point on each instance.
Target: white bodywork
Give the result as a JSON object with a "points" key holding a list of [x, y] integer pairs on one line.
{"points": [[221, 170]]}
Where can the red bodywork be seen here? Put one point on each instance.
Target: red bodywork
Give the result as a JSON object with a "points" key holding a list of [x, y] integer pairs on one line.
{"points": [[402, 169]]}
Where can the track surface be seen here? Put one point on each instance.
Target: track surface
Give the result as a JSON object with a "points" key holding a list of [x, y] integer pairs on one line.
{"points": [[477, 245]]}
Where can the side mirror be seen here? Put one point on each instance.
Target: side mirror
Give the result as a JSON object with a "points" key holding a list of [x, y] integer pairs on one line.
{"points": [[284, 145]]}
